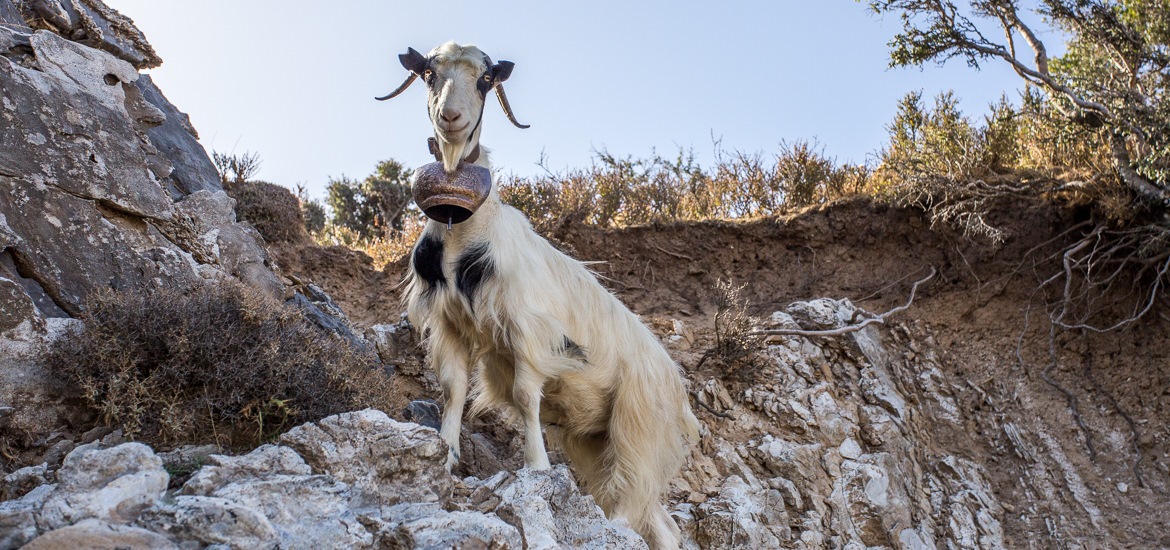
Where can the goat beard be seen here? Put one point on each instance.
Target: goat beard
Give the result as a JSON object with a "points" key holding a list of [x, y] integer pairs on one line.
{"points": [[453, 153]]}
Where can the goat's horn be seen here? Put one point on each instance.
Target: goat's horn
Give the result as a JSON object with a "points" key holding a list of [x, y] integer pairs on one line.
{"points": [[400, 89], [507, 108]]}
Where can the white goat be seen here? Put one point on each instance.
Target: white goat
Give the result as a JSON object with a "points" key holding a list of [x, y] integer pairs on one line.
{"points": [[552, 344]]}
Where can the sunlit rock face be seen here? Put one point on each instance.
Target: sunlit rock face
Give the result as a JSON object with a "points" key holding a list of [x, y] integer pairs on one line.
{"points": [[103, 185]]}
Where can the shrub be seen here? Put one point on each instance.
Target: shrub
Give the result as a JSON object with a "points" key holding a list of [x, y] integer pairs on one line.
{"points": [[312, 210], [233, 167], [625, 191], [219, 363], [272, 209], [375, 206]]}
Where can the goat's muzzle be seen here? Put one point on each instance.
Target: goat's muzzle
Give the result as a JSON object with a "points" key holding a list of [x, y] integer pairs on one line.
{"points": [[451, 197]]}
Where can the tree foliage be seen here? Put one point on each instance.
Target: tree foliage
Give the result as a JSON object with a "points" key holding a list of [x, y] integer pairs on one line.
{"points": [[374, 206], [1112, 77]]}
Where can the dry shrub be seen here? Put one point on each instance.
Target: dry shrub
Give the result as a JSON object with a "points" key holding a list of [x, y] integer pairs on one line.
{"points": [[219, 364], [737, 346], [625, 191], [273, 210], [383, 250]]}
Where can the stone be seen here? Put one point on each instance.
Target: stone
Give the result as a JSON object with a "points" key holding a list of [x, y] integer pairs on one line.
{"points": [[428, 527], [551, 512], [741, 516], [177, 141], [211, 520], [18, 518], [388, 461], [113, 484], [424, 412], [20, 482], [306, 511], [265, 460], [100, 535]]}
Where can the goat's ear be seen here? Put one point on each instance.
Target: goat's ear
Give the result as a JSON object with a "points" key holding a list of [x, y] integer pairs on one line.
{"points": [[501, 71], [413, 61]]}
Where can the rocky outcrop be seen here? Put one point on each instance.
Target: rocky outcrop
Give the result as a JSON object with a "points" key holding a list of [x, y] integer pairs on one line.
{"points": [[355, 480], [103, 186], [830, 444]]}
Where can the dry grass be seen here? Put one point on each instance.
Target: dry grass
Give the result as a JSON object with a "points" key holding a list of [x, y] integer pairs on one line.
{"points": [[221, 363], [615, 192]]}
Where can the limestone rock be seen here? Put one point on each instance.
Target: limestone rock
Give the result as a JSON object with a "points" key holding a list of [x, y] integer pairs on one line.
{"points": [[176, 141], [266, 460], [113, 485], [211, 520], [18, 518], [306, 511], [428, 527], [99, 535], [551, 513], [389, 461]]}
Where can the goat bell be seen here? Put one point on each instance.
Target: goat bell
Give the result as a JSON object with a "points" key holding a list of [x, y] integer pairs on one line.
{"points": [[451, 197]]}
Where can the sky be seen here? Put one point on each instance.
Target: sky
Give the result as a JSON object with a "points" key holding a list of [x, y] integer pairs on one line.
{"points": [[294, 81]]}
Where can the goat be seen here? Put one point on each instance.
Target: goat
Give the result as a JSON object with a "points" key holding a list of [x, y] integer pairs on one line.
{"points": [[552, 345]]}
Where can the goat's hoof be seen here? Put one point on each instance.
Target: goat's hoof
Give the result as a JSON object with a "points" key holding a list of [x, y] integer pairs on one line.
{"points": [[538, 465], [452, 460]]}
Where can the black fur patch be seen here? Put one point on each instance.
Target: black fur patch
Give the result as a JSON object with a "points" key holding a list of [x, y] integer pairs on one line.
{"points": [[428, 261], [474, 267], [572, 349]]}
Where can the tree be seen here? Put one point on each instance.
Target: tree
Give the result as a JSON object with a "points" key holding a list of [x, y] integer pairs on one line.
{"points": [[372, 206], [1114, 74]]}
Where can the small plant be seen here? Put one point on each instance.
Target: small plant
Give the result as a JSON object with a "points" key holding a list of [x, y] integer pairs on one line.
{"points": [[736, 342], [237, 168], [219, 363]]}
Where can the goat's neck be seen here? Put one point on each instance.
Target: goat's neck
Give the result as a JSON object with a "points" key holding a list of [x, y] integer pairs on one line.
{"points": [[476, 227]]}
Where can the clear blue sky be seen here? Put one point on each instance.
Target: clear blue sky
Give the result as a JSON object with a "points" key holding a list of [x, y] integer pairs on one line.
{"points": [[294, 81]]}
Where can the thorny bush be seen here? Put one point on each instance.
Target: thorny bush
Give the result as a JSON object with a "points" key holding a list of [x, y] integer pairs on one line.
{"points": [[220, 363]]}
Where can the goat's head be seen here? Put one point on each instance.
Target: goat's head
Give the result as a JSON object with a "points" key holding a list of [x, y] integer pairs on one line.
{"points": [[458, 79]]}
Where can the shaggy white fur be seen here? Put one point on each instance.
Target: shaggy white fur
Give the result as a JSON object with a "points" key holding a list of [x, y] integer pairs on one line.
{"points": [[544, 339]]}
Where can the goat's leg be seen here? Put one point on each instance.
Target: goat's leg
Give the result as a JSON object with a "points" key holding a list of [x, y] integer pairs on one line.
{"points": [[526, 394], [453, 366]]}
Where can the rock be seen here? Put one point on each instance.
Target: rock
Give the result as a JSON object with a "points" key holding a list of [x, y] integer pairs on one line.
{"points": [[9, 15], [18, 518], [176, 140], [388, 461], [390, 340], [211, 520], [20, 482], [741, 516], [109, 484], [306, 511], [324, 320], [264, 461], [551, 513], [99, 535], [424, 412], [428, 527]]}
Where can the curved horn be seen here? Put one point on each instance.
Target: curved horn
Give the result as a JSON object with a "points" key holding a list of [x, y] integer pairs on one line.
{"points": [[507, 108], [403, 87]]}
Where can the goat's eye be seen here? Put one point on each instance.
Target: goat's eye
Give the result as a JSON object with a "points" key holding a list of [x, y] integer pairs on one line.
{"points": [[427, 75], [487, 78]]}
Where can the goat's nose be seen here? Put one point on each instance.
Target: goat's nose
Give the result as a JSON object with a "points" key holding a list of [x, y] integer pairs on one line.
{"points": [[450, 115]]}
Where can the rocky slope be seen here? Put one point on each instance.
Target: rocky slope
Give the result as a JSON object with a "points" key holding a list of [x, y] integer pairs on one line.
{"points": [[828, 448], [964, 423], [103, 186]]}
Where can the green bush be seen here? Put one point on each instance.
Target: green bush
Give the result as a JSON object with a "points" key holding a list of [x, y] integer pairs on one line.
{"points": [[220, 363]]}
